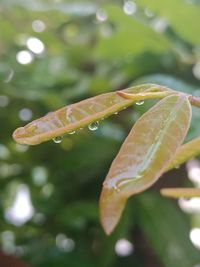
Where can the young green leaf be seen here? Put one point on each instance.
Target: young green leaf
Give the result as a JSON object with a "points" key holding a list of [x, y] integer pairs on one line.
{"points": [[145, 154], [185, 152], [75, 116]]}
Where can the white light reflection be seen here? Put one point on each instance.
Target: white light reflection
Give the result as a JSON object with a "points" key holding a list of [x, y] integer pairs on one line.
{"points": [[130, 8], [25, 114], [191, 205], [124, 248], [38, 26], [193, 170], [195, 237], [22, 209], [35, 45], [64, 243], [24, 57]]}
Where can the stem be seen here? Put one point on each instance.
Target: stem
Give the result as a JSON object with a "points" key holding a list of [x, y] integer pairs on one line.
{"points": [[195, 101], [180, 192]]}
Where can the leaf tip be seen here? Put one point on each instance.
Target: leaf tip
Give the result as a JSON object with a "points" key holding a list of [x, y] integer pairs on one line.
{"points": [[112, 205]]}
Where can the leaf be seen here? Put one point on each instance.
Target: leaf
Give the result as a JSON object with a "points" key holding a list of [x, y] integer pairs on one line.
{"points": [[75, 116], [185, 152], [167, 229], [180, 192], [144, 156]]}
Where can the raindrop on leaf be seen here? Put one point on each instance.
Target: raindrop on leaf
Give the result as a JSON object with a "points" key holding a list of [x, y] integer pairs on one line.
{"points": [[58, 139], [93, 126], [139, 103], [72, 132]]}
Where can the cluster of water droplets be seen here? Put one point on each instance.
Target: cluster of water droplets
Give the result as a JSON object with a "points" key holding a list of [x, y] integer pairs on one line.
{"points": [[92, 127]]}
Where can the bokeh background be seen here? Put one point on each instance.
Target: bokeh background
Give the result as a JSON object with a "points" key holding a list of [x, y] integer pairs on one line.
{"points": [[56, 52]]}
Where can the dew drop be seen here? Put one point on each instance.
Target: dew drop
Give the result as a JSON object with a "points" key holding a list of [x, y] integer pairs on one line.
{"points": [[116, 113], [139, 103], [93, 126], [58, 139], [72, 132]]}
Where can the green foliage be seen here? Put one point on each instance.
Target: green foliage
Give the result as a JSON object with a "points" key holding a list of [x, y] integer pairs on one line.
{"points": [[84, 57]]}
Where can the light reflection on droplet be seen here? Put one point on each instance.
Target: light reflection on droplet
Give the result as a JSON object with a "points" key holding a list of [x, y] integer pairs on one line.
{"points": [[124, 248], [38, 26], [129, 8], [4, 101], [58, 139], [24, 57], [25, 114], [195, 237], [35, 45], [139, 103], [93, 126], [64, 243], [73, 132], [101, 15]]}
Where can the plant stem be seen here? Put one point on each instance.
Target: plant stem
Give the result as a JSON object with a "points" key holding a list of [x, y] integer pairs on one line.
{"points": [[195, 101], [180, 192]]}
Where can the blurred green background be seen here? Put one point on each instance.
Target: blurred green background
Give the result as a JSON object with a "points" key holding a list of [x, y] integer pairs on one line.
{"points": [[56, 52]]}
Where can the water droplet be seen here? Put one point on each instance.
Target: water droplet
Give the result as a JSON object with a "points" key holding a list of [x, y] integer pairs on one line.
{"points": [[139, 103], [93, 126], [57, 139], [116, 113], [73, 132]]}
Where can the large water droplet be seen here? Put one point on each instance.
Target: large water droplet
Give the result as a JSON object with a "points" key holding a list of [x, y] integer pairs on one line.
{"points": [[116, 113], [140, 102], [93, 126], [57, 139]]}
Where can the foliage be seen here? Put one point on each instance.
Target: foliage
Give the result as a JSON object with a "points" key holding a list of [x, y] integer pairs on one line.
{"points": [[91, 48]]}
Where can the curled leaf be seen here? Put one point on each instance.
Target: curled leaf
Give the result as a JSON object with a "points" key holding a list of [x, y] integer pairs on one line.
{"points": [[145, 154], [180, 192], [75, 116]]}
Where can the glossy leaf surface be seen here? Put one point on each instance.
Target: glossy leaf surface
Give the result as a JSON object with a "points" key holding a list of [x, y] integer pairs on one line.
{"points": [[145, 154], [75, 116]]}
